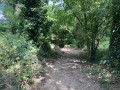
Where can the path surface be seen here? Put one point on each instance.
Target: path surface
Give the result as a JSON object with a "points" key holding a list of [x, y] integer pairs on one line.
{"points": [[67, 73]]}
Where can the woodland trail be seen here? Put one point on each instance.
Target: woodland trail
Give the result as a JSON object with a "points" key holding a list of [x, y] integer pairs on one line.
{"points": [[67, 73]]}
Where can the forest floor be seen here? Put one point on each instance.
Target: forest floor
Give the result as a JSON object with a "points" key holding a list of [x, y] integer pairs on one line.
{"points": [[68, 73]]}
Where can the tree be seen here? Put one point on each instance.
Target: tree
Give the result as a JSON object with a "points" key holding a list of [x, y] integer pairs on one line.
{"points": [[32, 19], [115, 34], [62, 28], [93, 20], [10, 18], [35, 22]]}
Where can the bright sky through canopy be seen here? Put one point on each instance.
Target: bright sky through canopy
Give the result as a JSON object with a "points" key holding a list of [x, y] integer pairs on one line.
{"points": [[1, 15], [50, 2]]}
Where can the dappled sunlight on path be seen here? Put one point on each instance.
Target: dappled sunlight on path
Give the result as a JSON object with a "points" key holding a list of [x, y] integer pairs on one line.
{"points": [[67, 73]]}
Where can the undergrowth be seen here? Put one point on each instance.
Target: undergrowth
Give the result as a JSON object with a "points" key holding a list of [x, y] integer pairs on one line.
{"points": [[47, 54], [103, 69], [17, 58]]}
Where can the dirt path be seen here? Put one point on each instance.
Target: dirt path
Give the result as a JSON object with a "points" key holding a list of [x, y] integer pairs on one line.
{"points": [[67, 73]]}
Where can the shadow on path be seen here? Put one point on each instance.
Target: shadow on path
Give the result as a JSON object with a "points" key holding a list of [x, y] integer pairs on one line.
{"points": [[67, 73]]}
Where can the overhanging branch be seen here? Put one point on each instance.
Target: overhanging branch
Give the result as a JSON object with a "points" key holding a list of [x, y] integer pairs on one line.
{"points": [[74, 13]]}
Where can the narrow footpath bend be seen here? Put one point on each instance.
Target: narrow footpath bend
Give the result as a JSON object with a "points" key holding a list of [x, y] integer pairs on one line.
{"points": [[67, 73]]}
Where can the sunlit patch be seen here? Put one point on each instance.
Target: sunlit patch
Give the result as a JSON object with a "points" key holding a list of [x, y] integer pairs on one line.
{"points": [[47, 74], [83, 61], [51, 66], [38, 80], [52, 46], [50, 81], [63, 87], [76, 61], [108, 74], [58, 82], [89, 75], [50, 2], [76, 64], [55, 69], [74, 67], [72, 89], [66, 50]]}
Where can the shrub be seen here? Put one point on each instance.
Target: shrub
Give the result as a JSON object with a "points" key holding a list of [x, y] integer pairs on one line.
{"points": [[18, 56]]}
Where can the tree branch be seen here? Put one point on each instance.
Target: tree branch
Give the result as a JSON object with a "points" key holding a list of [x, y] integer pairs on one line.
{"points": [[74, 13]]}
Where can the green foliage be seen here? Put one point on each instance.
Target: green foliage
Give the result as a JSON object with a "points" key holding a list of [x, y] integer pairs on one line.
{"points": [[25, 28], [18, 56], [34, 23], [103, 50], [92, 22], [115, 35], [2, 79], [51, 54], [25, 70], [14, 48], [101, 73], [61, 30]]}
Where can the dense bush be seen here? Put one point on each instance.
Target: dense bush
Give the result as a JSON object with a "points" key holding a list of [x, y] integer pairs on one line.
{"points": [[115, 35], [18, 56], [14, 48]]}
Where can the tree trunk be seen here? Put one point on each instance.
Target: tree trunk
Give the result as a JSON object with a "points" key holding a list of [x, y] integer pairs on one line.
{"points": [[93, 49], [88, 46]]}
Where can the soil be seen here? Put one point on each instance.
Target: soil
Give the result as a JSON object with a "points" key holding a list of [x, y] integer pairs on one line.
{"points": [[67, 73]]}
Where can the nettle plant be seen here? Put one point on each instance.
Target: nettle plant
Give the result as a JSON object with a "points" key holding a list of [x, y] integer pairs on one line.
{"points": [[14, 47], [18, 56]]}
